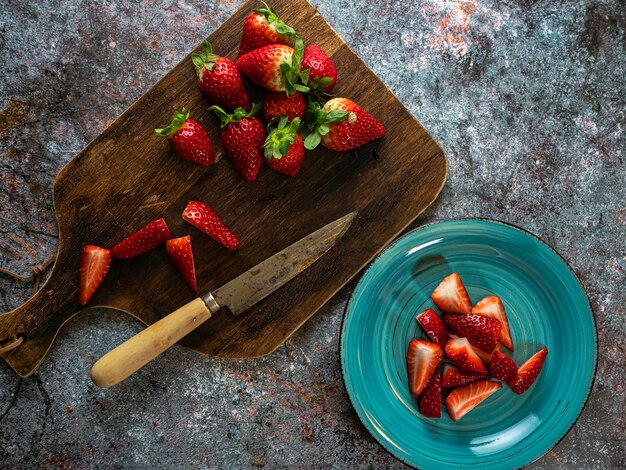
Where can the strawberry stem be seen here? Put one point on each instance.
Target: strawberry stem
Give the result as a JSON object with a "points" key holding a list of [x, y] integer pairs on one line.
{"points": [[178, 119], [280, 138], [237, 115], [317, 123], [280, 26], [205, 59]]}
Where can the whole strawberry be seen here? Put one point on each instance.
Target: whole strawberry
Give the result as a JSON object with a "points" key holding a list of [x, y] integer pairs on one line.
{"points": [[188, 139], [219, 79], [242, 137], [322, 75], [284, 149], [261, 28], [277, 104]]}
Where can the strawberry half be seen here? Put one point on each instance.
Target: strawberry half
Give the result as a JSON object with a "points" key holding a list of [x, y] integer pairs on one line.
{"points": [[430, 399], [482, 332], [202, 217], [94, 265], [528, 372], [284, 150], [277, 104], [464, 399], [454, 377], [422, 360], [263, 27], [460, 352], [492, 307], [450, 296], [188, 139], [152, 235], [180, 254], [322, 73], [433, 326], [502, 366], [485, 357]]}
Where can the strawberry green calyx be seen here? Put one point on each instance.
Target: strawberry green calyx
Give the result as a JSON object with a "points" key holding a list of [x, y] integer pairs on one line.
{"points": [[178, 120], [294, 76], [280, 138], [317, 121], [205, 59], [272, 18], [237, 115]]}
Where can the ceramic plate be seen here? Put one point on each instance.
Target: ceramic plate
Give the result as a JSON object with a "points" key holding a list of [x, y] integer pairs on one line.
{"points": [[546, 306]]}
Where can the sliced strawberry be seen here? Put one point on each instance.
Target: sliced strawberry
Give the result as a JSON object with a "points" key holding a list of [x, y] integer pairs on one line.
{"points": [[460, 352], [502, 366], [146, 239], [464, 399], [430, 399], [94, 265], [180, 254], [422, 359], [492, 307], [450, 296], [433, 326], [485, 357], [454, 377], [202, 217], [481, 332], [528, 372]]}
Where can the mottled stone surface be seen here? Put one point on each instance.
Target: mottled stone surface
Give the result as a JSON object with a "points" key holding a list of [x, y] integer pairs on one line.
{"points": [[526, 98]]}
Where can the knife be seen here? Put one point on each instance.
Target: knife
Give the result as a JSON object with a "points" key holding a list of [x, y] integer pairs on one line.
{"points": [[237, 296]]}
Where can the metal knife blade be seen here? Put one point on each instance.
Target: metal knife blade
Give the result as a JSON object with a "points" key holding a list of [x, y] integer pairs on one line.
{"points": [[260, 281]]}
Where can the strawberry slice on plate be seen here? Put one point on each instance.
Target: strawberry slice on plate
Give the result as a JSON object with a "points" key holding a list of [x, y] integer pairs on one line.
{"points": [[94, 265], [528, 372], [485, 357], [464, 399], [450, 296], [502, 366], [492, 307], [180, 254], [454, 377], [460, 352], [142, 241], [433, 326], [481, 332], [430, 399], [202, 217], [422, 360]]}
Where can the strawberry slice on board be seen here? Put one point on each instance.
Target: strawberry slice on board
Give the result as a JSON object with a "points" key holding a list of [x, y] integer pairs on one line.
{"points": [[430, 399], [481, 332], [180, 254], [464, 399], [492, 307], [422, 360], [450, 296], [433, 326], [485, 357], [528, 372], [94, 265], [152, 235], [454, 377], [502, 366], [202, 217], [460, 352]]}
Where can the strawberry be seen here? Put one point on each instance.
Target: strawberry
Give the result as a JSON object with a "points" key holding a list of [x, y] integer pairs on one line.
{"points": [[94, 265], [202, 217], [340, 125], [464, 399], [450, 295], [492, 307], [219, 79], [277, 104], [481, 332], [454, 377], [261, 28], [180, 254], [188, 139], [422, 360], [142, 241], [430, 399], [502, 366], [485, 357], [461, 353], [242, 137], [528, 372], [433, 326], [322, 74], [284, 149]]}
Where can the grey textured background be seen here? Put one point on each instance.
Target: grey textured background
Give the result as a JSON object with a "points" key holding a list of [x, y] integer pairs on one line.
{"points": [[526, 98]]}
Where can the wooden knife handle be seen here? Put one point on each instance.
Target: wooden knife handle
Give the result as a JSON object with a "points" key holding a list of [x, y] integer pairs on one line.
{"points": [[136, 352]]}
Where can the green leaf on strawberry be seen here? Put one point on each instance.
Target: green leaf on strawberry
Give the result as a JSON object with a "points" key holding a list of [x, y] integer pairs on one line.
{"points": [[280, 138], [237, 115], [178, 119], [317, 121], [272, 18]]}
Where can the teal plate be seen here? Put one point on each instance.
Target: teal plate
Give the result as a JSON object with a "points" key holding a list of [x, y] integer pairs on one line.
{"points": [[545, 304]]}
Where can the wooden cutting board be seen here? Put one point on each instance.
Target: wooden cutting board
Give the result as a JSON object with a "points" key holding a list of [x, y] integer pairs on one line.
{"points": [[128, 177]]}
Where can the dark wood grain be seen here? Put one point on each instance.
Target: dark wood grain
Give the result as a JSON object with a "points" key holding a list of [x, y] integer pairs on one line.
{"points": [[128, 177]]}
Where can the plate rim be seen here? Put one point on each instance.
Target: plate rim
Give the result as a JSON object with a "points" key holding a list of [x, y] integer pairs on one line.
{"points": [[458, 219]]}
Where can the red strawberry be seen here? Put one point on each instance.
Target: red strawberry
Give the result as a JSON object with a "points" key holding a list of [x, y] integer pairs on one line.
{"points": [[430, 399], [189, 139], [180, 254], [284, 149], [454, 377], [502, 366], [422, 360], [94, 265], [482, 332], [322, 75], [450, 296], [277, 104], [528, 372], [461, 353], [492, 307], [485, 357], [202, 217], [433, 326], [263, 27], [464, 399], [149, 237], [242, 137], [219, 79]]}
